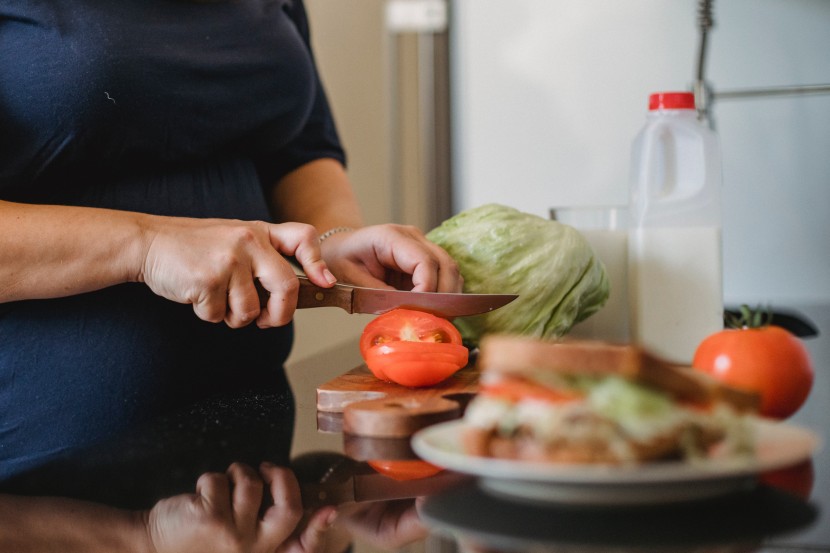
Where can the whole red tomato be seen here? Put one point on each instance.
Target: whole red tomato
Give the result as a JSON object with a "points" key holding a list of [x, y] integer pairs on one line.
{"points": [[412, 348], [768, 360]]}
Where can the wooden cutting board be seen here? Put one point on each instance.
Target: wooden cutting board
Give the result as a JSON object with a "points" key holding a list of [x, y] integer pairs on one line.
{"points": [[372, 407]]}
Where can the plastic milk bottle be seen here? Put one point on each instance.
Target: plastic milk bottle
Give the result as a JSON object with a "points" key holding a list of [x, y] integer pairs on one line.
{"points": [[674, 243]]}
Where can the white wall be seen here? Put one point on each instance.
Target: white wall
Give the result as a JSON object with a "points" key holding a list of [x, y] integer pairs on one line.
{"points": [[548, 95]]}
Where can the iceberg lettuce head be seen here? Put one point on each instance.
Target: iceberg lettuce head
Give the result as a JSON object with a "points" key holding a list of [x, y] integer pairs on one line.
{"points": [[551, 266]]}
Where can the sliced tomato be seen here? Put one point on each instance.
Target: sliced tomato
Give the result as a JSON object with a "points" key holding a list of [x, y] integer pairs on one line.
{"points": [[412, 348], [415, 364], [401, 470], [514, 389]]}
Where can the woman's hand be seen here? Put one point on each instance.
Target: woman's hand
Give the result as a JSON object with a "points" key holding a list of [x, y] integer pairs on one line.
{"points": [[398, 256], [227, 515], [214, 264], [386, 525]]}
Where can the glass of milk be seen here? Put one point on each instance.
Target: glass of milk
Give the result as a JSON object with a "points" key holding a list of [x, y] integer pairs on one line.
{"points": [[606, 229]]}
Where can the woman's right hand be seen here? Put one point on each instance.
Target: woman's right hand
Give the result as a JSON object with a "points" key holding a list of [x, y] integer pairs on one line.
{"points": [[226, 515], [214, 264]]}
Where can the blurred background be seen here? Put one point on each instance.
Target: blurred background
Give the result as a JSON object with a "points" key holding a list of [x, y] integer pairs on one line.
{"points": [[447, 105]]}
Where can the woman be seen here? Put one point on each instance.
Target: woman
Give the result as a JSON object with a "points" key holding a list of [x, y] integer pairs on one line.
{"points": [[144, 145]]}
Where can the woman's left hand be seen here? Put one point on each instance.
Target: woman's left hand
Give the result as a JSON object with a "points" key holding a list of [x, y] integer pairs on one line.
{"points": [[391, 256], [385, 525]]}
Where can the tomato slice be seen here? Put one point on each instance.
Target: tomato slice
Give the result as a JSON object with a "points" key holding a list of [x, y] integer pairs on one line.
{"points": [[515, 389], [410, 469], [412, 348]]}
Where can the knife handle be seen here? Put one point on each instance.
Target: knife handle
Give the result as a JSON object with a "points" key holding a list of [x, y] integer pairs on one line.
{"points": [[311, 295]]}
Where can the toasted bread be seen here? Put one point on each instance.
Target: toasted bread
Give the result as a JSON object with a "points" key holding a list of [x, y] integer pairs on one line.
{"points": [[487, 443], [516, 354]]}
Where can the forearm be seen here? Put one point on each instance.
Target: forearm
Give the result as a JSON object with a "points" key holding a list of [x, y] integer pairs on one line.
{"points": [[51, 251], [318, 193], [46, 525]]}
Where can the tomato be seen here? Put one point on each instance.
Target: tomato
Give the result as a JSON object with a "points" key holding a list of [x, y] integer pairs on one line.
{"points": [[412, 348], [797, 480], [768, 360], [410, 469], [515, 390]]}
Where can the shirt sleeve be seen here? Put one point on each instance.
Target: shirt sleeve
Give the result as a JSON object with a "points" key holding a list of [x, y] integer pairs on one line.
{"points": [[318, 138]]}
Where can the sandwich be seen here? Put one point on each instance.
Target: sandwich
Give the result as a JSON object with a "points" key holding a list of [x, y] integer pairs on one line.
{"points": [[585, 401]]}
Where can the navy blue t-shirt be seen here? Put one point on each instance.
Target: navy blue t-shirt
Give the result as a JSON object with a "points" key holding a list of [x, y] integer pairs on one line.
{"points": [[159, 106]]}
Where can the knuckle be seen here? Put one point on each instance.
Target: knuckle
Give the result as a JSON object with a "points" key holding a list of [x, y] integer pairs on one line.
{"points": [[210, 315], [453, 268], [209, 282], [245, 476], [246, 234], [229, 540], [241, 318], [307, 233], [229, 260], [210, 478], [293, 513]]}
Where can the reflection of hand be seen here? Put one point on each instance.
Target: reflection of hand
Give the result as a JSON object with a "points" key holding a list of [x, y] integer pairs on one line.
{"points": [[213, 263], [395, 255], [387, 525], [226, 515]]}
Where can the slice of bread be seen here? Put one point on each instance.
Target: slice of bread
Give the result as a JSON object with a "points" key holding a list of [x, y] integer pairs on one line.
{"points": [[592, 449], [521, 355]]}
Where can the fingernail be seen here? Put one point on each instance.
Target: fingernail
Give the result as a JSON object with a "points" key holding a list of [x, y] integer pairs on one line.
{"points": [[330, 278]]}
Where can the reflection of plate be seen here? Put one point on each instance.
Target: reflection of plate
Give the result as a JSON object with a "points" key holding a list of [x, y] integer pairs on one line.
{"points": [[777, 445], [735, 522]]}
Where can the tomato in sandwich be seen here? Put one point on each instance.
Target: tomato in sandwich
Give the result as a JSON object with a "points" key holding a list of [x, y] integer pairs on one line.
{"points": [[516, 389], [412, 348]]}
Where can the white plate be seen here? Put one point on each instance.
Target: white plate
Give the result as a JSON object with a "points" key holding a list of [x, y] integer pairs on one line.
{"points": [[778, 445]]}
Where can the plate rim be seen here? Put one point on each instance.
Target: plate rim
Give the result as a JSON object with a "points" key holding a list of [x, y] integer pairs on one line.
{"points": [[614, 475]]}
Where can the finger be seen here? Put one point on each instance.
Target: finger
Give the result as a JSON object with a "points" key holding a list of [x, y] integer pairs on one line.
{"points": [[246, 498], [313, 536], [436, 272], [280, 519], [422, 268], [243, 300], [214, 490], [449, 274], [282, 288], [212, 302], [303, 242]]}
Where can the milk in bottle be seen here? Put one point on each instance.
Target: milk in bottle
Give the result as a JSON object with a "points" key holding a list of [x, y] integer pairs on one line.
{"points": [[674, 244]]}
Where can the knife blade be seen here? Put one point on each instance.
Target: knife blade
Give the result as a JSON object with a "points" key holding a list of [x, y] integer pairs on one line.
{"points": [[357, 299]]}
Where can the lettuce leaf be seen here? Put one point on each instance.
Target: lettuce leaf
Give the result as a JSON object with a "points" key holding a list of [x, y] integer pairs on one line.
{"points": [[551, 266]]}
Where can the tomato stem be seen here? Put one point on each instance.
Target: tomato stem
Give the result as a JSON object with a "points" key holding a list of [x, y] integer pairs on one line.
{"points": [[749, 318]]}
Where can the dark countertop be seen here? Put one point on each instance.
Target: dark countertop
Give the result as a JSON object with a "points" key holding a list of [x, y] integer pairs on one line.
{"points": [[166, 458], [762, 519]]}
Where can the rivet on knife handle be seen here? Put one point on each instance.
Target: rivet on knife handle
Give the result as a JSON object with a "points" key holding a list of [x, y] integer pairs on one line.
{"points": [[311, 295]]}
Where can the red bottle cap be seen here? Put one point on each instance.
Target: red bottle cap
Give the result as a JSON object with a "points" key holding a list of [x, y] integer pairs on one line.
{"points": [[671, 100]]}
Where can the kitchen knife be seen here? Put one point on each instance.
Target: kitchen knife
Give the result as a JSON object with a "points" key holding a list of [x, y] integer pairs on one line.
{"points": [[356, 299]]}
